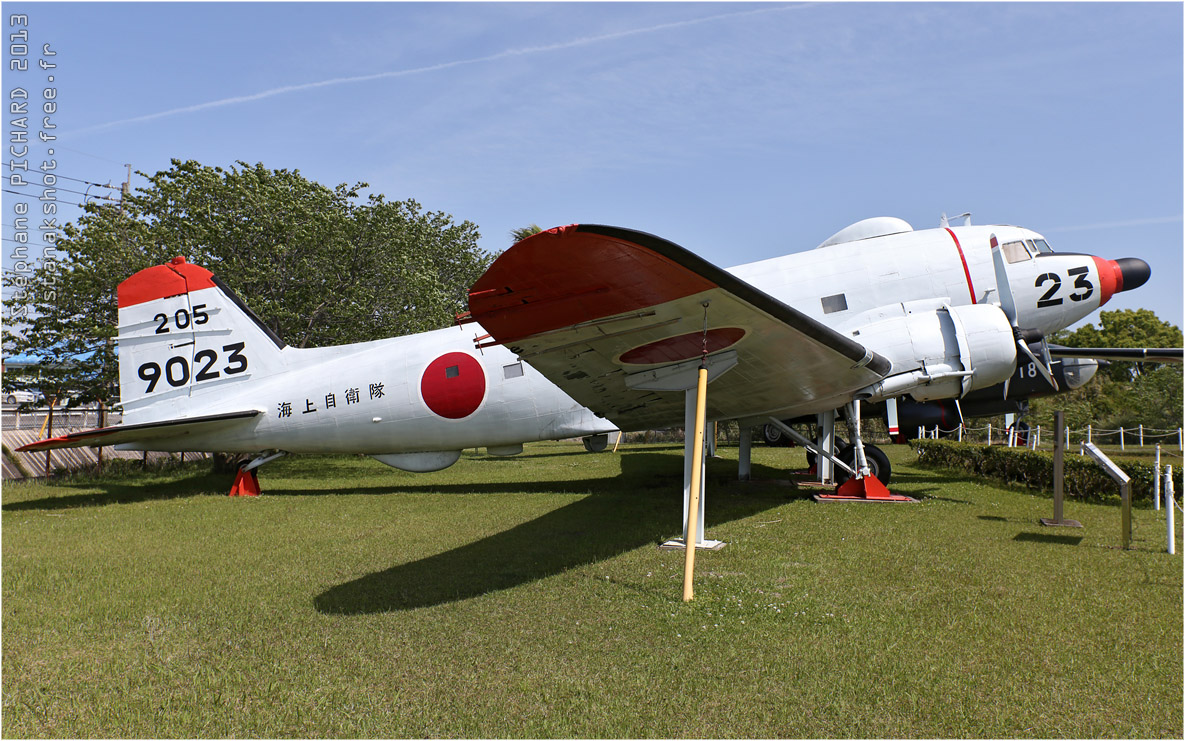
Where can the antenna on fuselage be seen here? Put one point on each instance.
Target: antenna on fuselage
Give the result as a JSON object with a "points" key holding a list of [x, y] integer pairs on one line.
{"points": [[944, 222]]}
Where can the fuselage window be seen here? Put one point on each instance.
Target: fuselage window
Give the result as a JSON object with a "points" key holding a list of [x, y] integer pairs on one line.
{"points": [[832, 304]]}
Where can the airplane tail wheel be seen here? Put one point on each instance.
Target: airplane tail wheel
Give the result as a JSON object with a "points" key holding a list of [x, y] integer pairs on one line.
{"points": [[596, 443], [774, 437], [877, 461]]}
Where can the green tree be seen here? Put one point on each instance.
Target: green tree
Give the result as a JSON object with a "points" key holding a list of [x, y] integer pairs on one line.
{"points": [[319, 265], [518, 235], [1122, 394]]}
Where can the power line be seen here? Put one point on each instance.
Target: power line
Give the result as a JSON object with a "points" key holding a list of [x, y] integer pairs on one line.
{"points": [[88, 182], [68, 203]]}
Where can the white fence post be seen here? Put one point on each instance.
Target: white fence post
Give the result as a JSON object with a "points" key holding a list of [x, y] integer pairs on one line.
{"points": [[989, 433], [1088, 433], [1156, 481], [1067, 437], [1141, 436], [1037, 441], [1121, 439], [1168, 508], [1180, 441], [960, 432]]}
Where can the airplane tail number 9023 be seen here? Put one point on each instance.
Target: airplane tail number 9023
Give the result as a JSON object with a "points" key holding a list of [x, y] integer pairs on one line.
{"points": [[183, 333]]}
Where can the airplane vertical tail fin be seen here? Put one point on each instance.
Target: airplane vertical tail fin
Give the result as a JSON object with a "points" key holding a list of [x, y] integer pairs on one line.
{"points": [[182, 334]]}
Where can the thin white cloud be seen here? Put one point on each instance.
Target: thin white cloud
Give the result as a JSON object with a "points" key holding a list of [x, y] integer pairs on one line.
{"points": [[1117, 224], [508, 53]]}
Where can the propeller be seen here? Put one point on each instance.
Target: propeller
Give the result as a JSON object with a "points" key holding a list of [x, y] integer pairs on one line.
{"points": [[1008, 306]]}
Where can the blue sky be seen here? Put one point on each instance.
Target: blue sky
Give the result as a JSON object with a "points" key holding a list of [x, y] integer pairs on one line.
{"points": [[740, 131]]}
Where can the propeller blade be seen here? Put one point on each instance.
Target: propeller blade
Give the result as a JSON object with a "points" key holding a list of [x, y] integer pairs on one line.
{"points": [[1038, 363], [1003, 287]]}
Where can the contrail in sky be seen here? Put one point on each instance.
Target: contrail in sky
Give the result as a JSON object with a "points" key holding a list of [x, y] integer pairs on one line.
{"points": [[435, 67], [1117, 224]]}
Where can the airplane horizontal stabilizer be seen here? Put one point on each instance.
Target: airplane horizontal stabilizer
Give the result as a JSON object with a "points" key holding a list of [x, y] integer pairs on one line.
{"points": [[145, 432]]}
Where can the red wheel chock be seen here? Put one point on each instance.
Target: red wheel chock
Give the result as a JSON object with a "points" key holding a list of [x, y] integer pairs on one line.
{"points": [[246, 484], [866, 489]]}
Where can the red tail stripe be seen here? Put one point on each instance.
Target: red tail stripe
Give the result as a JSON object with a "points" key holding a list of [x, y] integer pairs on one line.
{"points": [[162, 281]]}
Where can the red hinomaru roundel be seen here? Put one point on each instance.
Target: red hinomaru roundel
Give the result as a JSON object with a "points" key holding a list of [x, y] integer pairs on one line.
{"points": [[453, 385], [683, 347]]}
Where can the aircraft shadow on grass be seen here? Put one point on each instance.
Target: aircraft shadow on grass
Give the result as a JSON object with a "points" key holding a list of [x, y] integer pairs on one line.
{"points": [[125, 493], [637, 508]]}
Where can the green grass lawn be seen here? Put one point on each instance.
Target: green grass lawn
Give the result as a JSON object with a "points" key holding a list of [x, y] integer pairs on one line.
{"points": [[525, 597]]}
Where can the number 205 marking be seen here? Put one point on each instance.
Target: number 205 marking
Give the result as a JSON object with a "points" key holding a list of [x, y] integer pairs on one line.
{"points": [[176, 370], [1081, 282], [181, 318]]}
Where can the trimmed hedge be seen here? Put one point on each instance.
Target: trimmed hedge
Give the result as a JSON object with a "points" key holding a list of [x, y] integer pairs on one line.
{"points": [[1084, 479]]}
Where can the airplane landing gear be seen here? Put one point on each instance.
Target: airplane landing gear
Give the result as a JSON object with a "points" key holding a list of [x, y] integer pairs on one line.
{"points": [[871, 466], [878, 463]]}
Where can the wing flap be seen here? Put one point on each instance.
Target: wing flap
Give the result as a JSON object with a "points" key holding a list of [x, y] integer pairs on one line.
{"points": [[145, 432], [589, 306]]}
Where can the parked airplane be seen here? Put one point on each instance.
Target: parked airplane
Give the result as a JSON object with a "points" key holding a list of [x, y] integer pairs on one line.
{"points": [[198, 371], [621, 320]]}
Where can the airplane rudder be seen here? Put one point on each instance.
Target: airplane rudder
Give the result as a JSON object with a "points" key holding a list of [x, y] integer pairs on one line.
{"points": [[181, 330]]}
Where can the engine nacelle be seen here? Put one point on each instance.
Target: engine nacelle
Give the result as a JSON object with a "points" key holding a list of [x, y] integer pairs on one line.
{"points": [[941, 353]]}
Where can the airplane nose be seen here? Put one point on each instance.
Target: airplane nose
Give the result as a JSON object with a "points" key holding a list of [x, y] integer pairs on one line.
{"points": [[1123, 274], [1134, 273]]}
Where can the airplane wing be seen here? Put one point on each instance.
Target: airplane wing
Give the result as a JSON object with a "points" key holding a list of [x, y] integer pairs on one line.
{"points": [[619, 319], [143, 433], [1135, 354]]}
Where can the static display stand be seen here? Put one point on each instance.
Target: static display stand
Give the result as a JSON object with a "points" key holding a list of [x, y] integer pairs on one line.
{"points": [[1059, 466], [1125, 489]]}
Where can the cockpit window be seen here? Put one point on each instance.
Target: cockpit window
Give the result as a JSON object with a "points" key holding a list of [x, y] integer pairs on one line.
{"points": [[1015, 252], [1042, 246]]}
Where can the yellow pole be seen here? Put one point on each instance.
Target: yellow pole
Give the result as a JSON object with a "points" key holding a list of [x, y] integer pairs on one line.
{"points": [[697, 462], [48, 417], [619, 434]]}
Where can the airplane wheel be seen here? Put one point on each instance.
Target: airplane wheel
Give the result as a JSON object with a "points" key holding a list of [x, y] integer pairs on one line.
{"points": [[596, 443], [774, 437], [877, 461]]}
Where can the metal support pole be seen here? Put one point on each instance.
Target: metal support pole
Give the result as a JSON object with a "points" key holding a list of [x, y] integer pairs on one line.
{"points": [[701, 394], [1037, 440], [1059, 454], [690, 473], [826, 442], [1125, 492], [745, 454]]}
